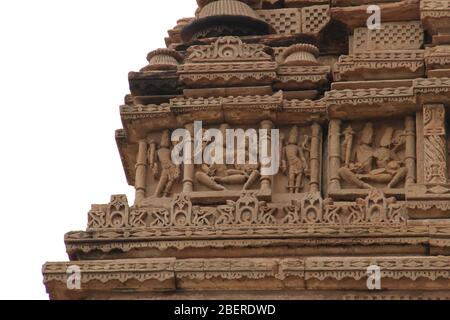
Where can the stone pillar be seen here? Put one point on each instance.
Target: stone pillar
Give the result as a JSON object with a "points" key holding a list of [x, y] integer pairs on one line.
{"points": [[188, 173], [334, 155], [410, 150], [316, 132], [266, 181], [141, 171], [435, 144]]}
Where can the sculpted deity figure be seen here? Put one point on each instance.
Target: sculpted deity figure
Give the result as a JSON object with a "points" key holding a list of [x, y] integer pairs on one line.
{"points": [[215, 176], [368, 164], [209, 172], [390, 168], [294, 162], [241, 173], [160, 160]]}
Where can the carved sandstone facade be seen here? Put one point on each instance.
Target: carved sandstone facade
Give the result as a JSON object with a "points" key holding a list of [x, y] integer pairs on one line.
{"points": [[364, 173]]}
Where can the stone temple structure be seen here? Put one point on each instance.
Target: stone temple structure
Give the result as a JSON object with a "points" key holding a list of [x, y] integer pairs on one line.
{"points": [[364, 179]]}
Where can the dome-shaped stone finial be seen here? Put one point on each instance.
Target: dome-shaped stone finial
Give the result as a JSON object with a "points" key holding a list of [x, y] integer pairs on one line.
{"points": [[225, 18], [301, 54], [252, 3], [162, 59]]}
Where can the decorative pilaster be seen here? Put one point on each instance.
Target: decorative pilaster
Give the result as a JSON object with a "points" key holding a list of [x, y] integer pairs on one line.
{"points": [[435, 144], [334, 154], [410, 150], [316, 131], [267, 126], [141, 171], [188, 172]]}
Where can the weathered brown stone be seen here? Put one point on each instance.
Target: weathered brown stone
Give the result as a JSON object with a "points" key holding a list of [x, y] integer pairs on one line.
{"points": [[364, 178], [356, 16]]}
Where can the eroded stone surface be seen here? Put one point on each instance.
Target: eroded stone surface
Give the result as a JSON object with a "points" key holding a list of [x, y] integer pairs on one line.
{"points": [[364, 159]]}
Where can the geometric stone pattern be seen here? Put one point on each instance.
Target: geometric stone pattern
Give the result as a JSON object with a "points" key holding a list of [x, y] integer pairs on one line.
{"points": [[284, 21], [392, 36]]}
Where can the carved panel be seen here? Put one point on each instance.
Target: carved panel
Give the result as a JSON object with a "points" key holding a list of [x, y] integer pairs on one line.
{"points": [[392, 36], [315, 18], [113, 215], [438, 57], [380, 65], [246, 64], [363, 156], [226, 75], [302, 77], [227, 49], [435, 144], [284, 21]]}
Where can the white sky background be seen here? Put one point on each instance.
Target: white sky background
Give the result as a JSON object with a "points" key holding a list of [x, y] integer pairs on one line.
{"points": [[63, 76]]}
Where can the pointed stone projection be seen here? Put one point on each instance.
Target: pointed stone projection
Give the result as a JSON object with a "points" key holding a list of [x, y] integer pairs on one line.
{"points": [[279, 149]]}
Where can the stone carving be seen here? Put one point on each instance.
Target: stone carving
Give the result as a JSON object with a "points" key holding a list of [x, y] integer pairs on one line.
{"points": [[217, 176], [136, 112], [365, 164], [429, 268], [315, 18], [162, 59], [227, 49], [247, 210], [117, 212], [392, 36], [113, 215], [438, 57], [294, 160], [160, 161], [392, 268], [246, 63], [309, 210], [256, 64], [284, 21], [302, 77], [380, 65], [181, 211], [301, 55], [376, 208], [435, 16], [435, 145], [225, 17]]}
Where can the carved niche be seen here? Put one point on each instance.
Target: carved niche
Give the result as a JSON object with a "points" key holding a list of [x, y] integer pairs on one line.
{"points": [[156, 174], [363, 156], [299, 165], [233, 175]]}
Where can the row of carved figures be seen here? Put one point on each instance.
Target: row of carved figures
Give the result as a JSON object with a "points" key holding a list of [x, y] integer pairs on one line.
{"points": [[360, 156], [294, 156]]}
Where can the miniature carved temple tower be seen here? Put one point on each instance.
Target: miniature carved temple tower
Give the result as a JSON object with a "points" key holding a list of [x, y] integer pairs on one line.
{"points": [[364, 175]]}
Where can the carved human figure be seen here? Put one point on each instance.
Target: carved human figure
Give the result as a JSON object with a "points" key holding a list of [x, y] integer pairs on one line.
{"points": [[207, 176], [215, 176], [377, 165], [361, 158], [293, 161], [390, 168], [209, 172], [241, 173], [160, 160]]}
